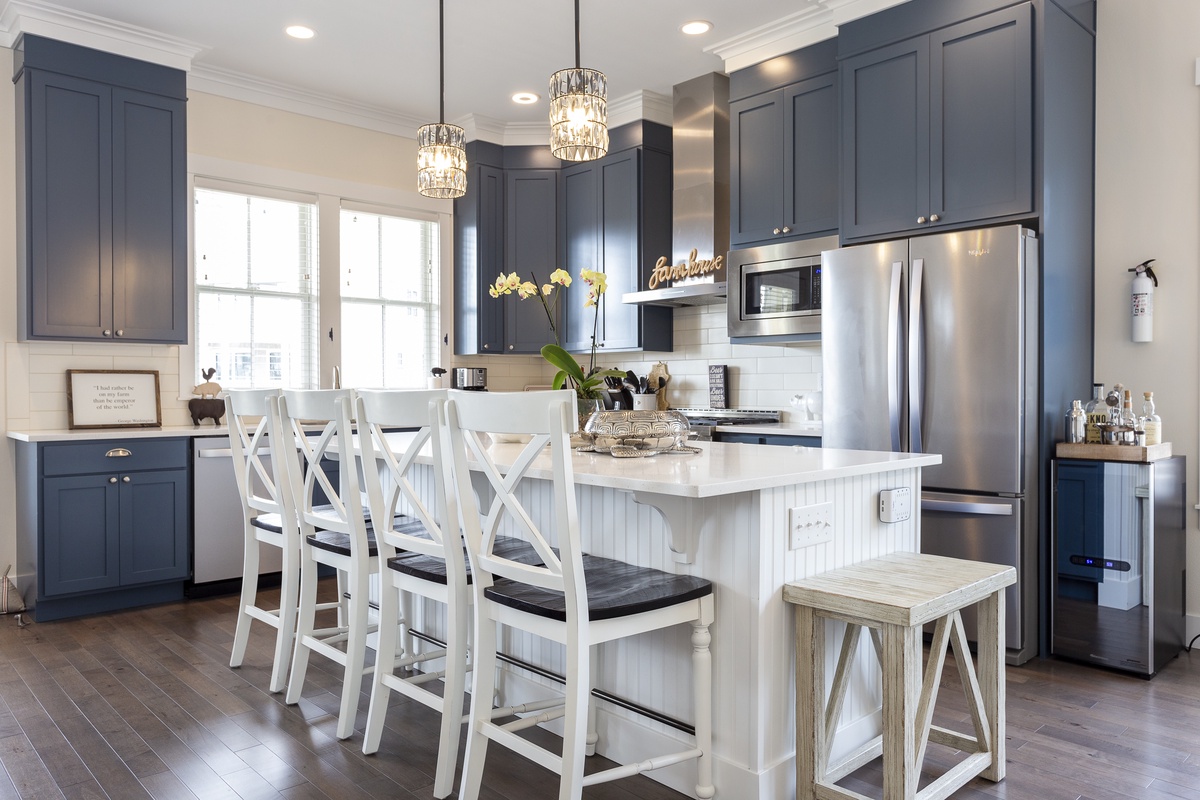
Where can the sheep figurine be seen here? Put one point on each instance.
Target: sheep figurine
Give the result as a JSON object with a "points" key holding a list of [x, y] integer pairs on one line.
{"points": [[207, 405]]}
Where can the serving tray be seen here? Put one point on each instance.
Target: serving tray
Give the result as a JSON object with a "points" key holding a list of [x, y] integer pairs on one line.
{"points": [[1113, 452]]}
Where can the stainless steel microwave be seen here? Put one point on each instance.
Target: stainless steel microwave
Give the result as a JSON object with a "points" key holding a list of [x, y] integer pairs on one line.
{"points": [[775, 290]]}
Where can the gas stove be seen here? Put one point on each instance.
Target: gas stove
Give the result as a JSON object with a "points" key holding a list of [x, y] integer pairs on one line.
{"points": [[703, 420]]}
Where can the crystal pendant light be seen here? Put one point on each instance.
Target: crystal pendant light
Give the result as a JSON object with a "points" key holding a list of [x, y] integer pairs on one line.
{"points": [[441, 148], [578, 110]]}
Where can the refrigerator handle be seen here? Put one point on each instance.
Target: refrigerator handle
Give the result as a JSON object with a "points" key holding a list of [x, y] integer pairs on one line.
{"points": [[1003, 509], [893, 355], [916, 378]]}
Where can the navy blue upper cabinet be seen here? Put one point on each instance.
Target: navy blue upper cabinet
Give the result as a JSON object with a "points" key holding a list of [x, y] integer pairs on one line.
{"points": [[784, 139], [102, 143], [616, 216], [506, 222], [531, 251], [938, 129]]}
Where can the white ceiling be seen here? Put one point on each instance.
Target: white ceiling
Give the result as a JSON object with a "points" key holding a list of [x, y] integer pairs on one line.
{"points": [[375, 62]]}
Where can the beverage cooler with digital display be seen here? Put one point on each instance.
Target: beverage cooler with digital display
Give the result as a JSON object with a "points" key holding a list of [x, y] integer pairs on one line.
{"points": [[1118, 585]]}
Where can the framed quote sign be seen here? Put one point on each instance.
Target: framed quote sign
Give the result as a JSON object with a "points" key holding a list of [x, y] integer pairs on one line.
{"points": [[110, 398]]}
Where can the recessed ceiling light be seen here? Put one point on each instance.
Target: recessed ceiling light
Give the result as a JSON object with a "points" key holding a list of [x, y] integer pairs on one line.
{"points": [[300, 31], [696, 27], [525, 98]]}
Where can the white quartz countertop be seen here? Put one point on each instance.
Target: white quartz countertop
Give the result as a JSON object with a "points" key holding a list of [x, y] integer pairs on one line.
{"points": [[719, 469], [98, 434]]}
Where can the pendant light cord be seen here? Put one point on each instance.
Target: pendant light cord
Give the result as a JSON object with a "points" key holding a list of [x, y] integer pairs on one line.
{"points": [[442, 59], [576, 34]]}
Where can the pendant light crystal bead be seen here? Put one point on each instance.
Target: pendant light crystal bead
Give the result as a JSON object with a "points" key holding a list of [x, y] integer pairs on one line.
{"points": [[441, 161], [578, 114]]}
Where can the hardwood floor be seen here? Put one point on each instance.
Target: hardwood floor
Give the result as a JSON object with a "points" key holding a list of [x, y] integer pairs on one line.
{"points": [[142, 704]]}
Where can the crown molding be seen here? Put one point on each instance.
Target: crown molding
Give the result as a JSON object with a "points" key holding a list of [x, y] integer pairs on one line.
{"points": [[632, 107], [818, 21], [285, 97], [39, 18]]}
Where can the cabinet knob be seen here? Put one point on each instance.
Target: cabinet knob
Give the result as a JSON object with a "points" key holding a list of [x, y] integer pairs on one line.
{"points": [[125, 479], [487, 347], [107, 332], [786, 229], [120, 332], [112, 480], [601, 344], [777, 231], [920, 220], [512, 347], [934, 217]]}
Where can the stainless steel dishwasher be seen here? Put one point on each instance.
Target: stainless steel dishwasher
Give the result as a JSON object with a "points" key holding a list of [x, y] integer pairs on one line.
{"points": [[217, 521]]}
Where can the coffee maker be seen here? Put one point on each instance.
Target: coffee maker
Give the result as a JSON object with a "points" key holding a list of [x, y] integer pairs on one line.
{"points": [[472, 378]]}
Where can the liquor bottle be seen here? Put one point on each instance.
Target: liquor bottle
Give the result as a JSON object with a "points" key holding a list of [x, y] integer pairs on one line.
{"points": [[1078, 428], [1150, 420], [1096, 412], [1113, 401], [1128, 419]]}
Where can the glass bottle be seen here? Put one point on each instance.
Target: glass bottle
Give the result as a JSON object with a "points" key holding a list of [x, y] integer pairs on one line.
{"points": [[1113, 401], [1151, 422], [1078, 427], [1096, 412], [1128, 420]]}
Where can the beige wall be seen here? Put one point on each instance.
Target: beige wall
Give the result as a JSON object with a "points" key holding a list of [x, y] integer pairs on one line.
{"points": [[1148, 206]]}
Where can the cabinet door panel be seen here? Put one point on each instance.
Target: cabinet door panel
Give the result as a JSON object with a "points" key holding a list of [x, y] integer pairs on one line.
{"points": [[79, 542], [981, 125], [885, 122], [70, 207], [154, 526], [581, 197], [756, 143], [149, 228], [531, 250], [621, 212], [810, 156]]}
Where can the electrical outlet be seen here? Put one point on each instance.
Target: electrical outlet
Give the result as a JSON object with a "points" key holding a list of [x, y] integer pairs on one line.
{"points": [[895, 505], [809, 525]]}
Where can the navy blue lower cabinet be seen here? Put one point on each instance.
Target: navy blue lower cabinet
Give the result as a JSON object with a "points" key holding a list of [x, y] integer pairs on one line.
{"points": [[786, 440], [113, 523]]}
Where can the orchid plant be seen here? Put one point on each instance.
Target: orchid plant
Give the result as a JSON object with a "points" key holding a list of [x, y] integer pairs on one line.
{"points": [[570, 373]]}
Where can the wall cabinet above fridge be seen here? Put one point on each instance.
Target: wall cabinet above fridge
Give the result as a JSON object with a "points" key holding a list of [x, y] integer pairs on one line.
{"points": [[938, 129]]}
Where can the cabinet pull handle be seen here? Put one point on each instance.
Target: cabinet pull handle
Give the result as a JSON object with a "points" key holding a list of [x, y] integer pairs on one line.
{"points": [[786, 229], [125, 479], [118, 452], [777, 231], [920, 220], [107, 332], [934, 217], [112, 480]]}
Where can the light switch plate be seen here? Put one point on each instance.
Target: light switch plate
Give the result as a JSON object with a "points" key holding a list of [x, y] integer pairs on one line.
{"points": [[895, 505], [809, 525]]}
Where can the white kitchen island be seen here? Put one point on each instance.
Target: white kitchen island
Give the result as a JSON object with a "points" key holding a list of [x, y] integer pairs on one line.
{"points": [[724, 514]]}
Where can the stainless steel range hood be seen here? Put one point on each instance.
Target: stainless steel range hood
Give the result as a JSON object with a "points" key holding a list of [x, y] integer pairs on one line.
{"points": [[700, 198]]}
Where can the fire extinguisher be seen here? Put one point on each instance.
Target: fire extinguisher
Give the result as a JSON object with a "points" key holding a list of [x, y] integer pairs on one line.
{"points": [[1142, 295]]}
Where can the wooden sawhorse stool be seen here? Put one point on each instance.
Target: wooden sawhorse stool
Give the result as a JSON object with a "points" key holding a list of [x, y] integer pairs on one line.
{"points": [[894, 596]]}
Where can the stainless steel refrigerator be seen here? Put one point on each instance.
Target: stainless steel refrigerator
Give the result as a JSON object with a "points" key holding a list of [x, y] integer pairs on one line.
{"points": [[930, 345]]}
